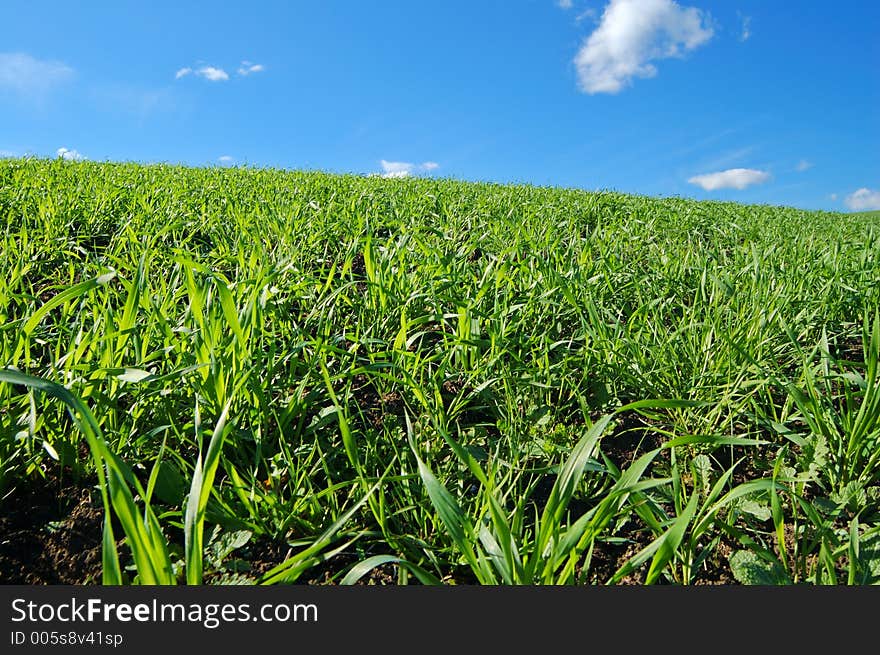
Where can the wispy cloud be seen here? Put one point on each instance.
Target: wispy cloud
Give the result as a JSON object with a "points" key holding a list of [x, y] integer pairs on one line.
{"points": [[27, 76], [632, 34], [734, 178], [745, 27], [226, 160], [803, 165], [132, 100], [405, 168], [210, 73], [249, 68], [833, 196], [727, 159], [863, 200], [589, 12], [565, 4], [4, 154], [69, 155]]}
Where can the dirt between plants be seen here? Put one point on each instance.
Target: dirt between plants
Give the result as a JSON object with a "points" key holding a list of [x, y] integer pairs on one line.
{"points": [[51, 534]]}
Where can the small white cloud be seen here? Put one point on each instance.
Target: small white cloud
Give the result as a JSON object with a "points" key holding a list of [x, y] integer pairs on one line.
{"points": [[213, 74], [585, 14], [565, 4], [632, 34], [833, 196], [210, 73], [396, 168], [247, 68], [226, 159], [746, 30], [4, 154], [29, 76], [863, 200], [803, 165], [734, 178], [404, 168], [69, 155]]}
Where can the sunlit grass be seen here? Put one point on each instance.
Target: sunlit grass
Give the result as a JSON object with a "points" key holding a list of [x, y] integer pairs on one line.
{"points": [[447, 380]]}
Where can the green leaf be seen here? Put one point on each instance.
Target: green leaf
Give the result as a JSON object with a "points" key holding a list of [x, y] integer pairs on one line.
{"points": [[359, 570], [170, 484], [69, 294], [228, 542], [133, 375], [869, 556], [749, 569], [200, 491], [671, 540], [853, 496], [760, 511], [230, 312]]}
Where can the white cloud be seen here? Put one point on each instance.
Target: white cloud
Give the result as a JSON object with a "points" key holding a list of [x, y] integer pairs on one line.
{"points": [[247, 68], [734, 178], [803, 165], [213, 74], [210, 73], [226, 159], [564, 4], [833, 196], [631, 34], [26, 75], [746, 27], [69, 155], [6, 153], [396, 168], [405, 168], [863, 200]]}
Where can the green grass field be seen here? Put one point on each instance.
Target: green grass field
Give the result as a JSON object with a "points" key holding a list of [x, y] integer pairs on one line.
{"points": [[269, 376]]}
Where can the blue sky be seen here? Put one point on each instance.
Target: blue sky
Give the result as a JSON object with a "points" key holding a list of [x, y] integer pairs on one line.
{"points": [[759, 101]]}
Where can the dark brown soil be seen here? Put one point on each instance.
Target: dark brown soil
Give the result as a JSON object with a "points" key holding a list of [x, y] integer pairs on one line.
{"points": [[51, 534], [851, 349], [631, 438], [377, 407]]}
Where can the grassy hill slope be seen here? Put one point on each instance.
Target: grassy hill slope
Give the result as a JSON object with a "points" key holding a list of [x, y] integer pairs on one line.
{"points": [[431, 380]]}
